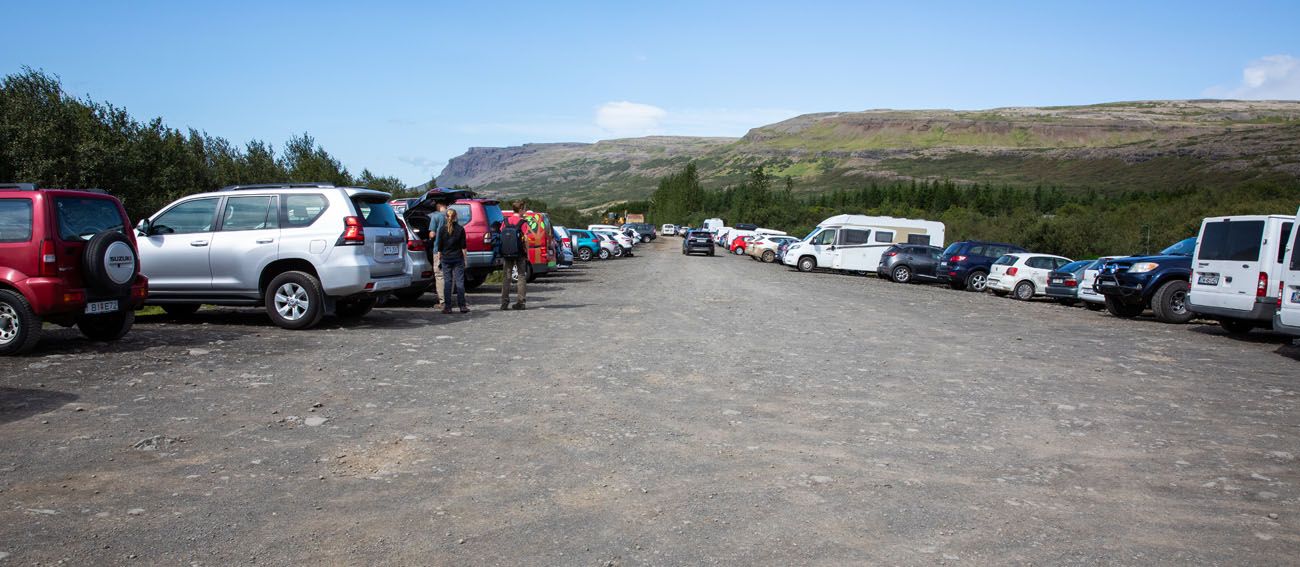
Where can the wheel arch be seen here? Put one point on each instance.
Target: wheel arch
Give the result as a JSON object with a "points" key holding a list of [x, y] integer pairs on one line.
{"points": [[281, 266]]}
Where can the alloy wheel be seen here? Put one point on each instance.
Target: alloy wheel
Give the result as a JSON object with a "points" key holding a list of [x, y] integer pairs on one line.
{"points": [[1178, 303], [902, 274], [9, 324], [291, 301], [978, 282]]}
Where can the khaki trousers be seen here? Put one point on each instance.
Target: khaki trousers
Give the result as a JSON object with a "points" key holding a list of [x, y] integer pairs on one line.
{"points": [[508, 264], [437, 275]]}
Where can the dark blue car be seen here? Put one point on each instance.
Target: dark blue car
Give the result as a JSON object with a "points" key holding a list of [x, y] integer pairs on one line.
{"points": [[1160, 283], [965, 265]]}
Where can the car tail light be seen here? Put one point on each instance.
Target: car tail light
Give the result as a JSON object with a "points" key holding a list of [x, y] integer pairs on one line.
{"points": [[427, 274], [890, 254], [1281, 288], [487, 237], [49, 261], [1071, 283], [415, 245], [353, 233], [565, 241], [1012, 271], [1261, 289], [956, 258], [74, 297]]}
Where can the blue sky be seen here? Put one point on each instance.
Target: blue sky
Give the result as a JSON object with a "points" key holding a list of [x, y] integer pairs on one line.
{"points": [[400, 87]]}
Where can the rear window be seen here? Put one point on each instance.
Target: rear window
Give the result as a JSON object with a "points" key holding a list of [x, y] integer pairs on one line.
{"points": [[1281, 250], [1006, 260], [15, 220], [952, 249], [1295, 252], [1234, 241], [376, 214], [80, 218], [464, 214], [494, 214]]}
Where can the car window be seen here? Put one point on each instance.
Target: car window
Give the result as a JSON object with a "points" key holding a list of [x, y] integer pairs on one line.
{"points": [[850, 236], [825, 237], [81, 218], [952, 249], [1006, 260], [15, 220], [918, 239], [884, 236], [1040, 263], [999, 250], [301, 210], [249, 213], [977, 250], [1062, 262], [1281, 250], [1236, 241], [186, 218], [1295, 252], [377, 214]]}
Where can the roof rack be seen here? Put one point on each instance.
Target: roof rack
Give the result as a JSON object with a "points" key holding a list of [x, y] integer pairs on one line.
{"points": [[260, 186], [19, 186]]}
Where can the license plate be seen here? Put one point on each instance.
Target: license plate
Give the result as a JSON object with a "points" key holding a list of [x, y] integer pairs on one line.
{"points": [[1058, 281], [1105, 283], [1207, 279], [97, 307], [392, 250]]}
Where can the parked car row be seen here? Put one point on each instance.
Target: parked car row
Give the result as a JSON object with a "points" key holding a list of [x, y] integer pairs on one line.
{"points": [[1243, 271]]}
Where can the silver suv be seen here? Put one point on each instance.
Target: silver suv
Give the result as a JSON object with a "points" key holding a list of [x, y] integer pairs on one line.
{"points": [[301, 250]]}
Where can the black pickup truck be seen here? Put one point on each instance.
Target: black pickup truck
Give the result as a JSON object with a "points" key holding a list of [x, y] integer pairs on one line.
{"points": [[1160, 283]]}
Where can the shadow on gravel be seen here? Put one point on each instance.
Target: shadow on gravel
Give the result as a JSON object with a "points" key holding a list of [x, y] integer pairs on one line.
{"points": [[1290, 350], [256, 320], [1258, 336], [22, 403]]}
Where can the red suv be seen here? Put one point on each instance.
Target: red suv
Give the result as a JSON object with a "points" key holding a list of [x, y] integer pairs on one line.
{"points": [[67, 257]]}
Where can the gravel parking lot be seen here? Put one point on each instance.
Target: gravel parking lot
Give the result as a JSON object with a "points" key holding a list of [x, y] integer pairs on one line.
{"points": [[659, 410]]}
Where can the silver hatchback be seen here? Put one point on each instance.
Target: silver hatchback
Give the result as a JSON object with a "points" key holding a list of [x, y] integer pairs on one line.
{"points": [[300, 250]]}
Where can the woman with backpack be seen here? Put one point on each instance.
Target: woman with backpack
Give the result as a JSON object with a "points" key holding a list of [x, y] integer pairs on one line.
{"points": [[451, 246]]}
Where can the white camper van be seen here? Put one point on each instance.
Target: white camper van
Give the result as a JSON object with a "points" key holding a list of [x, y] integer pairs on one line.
{"points": [[1237, 263], [855, 242], [1287, 319]]}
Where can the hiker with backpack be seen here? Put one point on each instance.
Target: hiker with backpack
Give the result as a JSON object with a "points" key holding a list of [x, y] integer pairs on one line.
{"points": [[451, 247], [514, 255]]}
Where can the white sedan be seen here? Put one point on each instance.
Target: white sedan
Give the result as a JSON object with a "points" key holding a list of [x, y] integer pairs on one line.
{"points": [[1023, 275]]}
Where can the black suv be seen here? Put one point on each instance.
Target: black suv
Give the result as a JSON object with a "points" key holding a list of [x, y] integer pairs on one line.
{"points": [[644, 230], [965, 265], [910, 262], [698, 241], [1160, 283]]}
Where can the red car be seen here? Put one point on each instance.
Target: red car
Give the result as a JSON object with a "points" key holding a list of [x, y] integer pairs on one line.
{"points": [[738, 245], [480, 217], [68, 257]]}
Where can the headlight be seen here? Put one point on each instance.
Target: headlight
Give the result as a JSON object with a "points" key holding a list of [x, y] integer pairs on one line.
{"points": [[1143, 267]]}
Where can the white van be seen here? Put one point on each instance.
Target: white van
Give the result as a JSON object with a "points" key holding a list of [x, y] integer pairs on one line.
{"points": [[1287, 319], [1237, 263], [856, 242], [712, 225]]}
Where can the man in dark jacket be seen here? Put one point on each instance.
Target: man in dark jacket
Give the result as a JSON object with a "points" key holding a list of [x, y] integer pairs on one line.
{"points": [[514, 257]]}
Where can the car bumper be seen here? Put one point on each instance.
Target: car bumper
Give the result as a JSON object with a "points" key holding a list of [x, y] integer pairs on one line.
{"points": [[1126, 289], [1264, 310], [1283, 328], [699, 247], [49, 296], [338, 282], [477, 260], [1000, 283], [1061, 292]]}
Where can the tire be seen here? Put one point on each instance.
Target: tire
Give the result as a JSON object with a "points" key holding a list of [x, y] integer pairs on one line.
{"points": [[710, 252], [1170, 303], [901, 274], [106, 328], [20, 327], [1122, 310], [530, 275], [355, 308], [604, 254], [300, 297], [769, 256], [977, 281], [1024, 291], [584, 254], [1000, 293], [474, 279], [645, 240], [109, 263], [1090, 306], [1237, 326], [180, 310], [618, 252], [806, 264], [740, 251]]}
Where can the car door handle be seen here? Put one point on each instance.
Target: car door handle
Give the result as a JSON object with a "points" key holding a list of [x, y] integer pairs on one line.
{"points": [[265, 240], [198, 243]]}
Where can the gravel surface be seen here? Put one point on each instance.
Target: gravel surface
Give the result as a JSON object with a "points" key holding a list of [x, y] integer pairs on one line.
{"points": [[658, 410]]}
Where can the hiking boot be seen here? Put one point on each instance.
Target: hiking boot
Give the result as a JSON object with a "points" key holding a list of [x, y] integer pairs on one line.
{"points": [[505, 305], [519, 306], [464, 309], [446, 310]]}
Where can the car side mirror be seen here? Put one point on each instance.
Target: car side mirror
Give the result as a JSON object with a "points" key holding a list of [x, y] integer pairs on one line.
{"points": [[143, 227]]}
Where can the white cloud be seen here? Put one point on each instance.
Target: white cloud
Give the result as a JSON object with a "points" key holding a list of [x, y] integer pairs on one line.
{"points": [[1275, 77], [625, 118], [422, 162]]}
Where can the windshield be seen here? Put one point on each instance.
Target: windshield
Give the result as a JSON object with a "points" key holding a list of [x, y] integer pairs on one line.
{"points": [[1181, 248], [81, 218]]}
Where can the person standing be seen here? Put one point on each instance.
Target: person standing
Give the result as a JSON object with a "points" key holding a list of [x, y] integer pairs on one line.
{"points": [[437, 222], [514, 254], [451, 247]]}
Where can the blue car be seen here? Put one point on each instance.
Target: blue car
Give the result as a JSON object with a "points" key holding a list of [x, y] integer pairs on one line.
{"points": [[965, 265], [1136, 283]]}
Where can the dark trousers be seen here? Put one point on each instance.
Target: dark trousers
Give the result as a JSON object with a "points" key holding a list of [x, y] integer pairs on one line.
{"points": [[521, 287], [453, 279]]}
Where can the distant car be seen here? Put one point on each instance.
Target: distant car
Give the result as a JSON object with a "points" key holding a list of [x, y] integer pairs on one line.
{"points": [[67, 257], [1091, 299], [668, 230], [739, 244], [781, 249], [905, 263], [644, 230], [698, 241], [682, 231], [588, 245], [623, 241], [1063, 283], [1134, 283], [481, 219], [965, 264], [563, 247], [1238, 259], [1023, 275], [763, 247]]}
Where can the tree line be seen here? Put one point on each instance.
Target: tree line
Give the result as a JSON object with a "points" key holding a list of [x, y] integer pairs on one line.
{"points": [[1072, 223], [52, 139]]}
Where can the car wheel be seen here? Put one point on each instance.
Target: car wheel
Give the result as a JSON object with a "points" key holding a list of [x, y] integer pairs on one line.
{"points": [[529, 274], [584, 254], [618, 252], [977, 281], [769, 256], [807, 264], [20, 327], [106, 327], [109, 263], [1236, 326], [1024, 291], [180, 310], [710, 251], [294, 300], [355, 308], [901, 274], [604, 254], [1094, 306], [1123, 310], [645, 239], [1170, 303]]}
